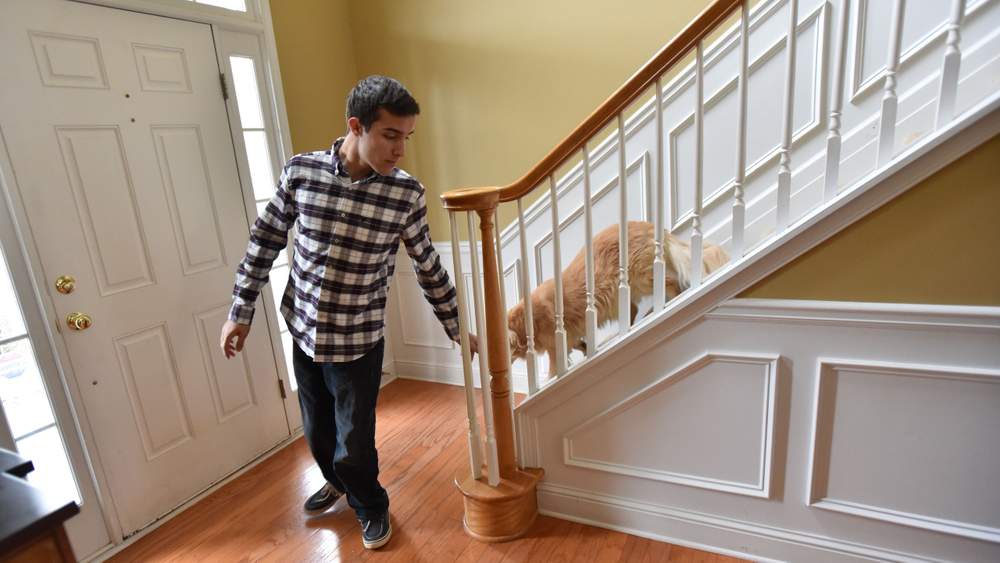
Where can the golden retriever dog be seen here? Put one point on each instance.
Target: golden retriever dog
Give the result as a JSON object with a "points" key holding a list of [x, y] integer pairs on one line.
{"points": [[641, 251]]}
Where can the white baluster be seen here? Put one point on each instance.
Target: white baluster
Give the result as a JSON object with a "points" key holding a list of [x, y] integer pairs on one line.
{"points": [[492, 459], [588, 219], [475, 441], [503, 295], [560, 334], [699, 157], [951, 65], [832, 177], [739, 205], [529, 319], [659, 264], [624, 304], [890, 102], [784, 164]]}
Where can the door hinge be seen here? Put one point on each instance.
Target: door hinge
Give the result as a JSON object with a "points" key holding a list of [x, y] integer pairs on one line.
{"points": [[281, 388], [225, 89]]}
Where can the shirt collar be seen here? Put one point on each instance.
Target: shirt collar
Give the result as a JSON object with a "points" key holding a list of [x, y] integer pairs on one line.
{"points": [[340, 168]]}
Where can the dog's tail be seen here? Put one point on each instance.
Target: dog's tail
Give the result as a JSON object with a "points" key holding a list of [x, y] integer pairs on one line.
{"points": [[679, 253]]}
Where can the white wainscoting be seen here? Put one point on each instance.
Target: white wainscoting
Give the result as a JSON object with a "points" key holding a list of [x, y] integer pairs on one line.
{"points": [[919, 74], [425, 353], [420, 347], [786, 430]]}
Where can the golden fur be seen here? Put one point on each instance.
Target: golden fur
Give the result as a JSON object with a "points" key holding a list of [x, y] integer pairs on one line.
{"points": [[641, 250]]}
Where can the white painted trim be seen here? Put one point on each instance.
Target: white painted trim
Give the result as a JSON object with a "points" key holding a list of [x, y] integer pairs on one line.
{"points": [[449, 374], [861, 87], [721, 194], [818, 470], [74, 418], [646, 112], [50, 348], [911, 166], [846, 313], [760, 489], [230, 43], [640, 163], [274, 84], [190, 11], [616, 506]]}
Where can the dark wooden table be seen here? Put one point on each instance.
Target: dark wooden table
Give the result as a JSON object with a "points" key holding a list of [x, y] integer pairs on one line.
{"points": [[31, 521]]}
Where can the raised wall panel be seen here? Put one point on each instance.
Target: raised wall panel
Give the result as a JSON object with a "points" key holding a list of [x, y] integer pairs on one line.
{"points": [[69, 61], [892, 443], [158, 406], [713, 427], [921, 22], [186, 180], [420, 327], [103, 192]]}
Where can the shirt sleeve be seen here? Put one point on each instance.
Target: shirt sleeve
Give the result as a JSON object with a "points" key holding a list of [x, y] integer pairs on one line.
{"points": [[432, 277], [268, 237]]}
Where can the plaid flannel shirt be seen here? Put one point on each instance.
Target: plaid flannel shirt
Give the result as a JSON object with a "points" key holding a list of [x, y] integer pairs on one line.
{"points": [[346, 236]]}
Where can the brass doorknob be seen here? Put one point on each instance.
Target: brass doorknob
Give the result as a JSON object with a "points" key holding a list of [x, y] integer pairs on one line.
{"points": [[79, 321], [65, 284]]}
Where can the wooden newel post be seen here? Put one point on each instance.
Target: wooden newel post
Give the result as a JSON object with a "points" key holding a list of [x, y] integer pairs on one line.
{"points": [[496, 338], [507, 510]]}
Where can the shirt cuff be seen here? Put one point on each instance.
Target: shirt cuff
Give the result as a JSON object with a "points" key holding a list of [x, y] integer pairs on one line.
{"points": [[451, 327], [241, 314]]}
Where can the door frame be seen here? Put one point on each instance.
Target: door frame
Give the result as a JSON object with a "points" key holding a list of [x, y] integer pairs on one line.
{"points": [[18, 241]]}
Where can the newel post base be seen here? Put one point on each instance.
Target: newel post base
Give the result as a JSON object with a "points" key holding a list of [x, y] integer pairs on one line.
{"points": [[501, 513]]}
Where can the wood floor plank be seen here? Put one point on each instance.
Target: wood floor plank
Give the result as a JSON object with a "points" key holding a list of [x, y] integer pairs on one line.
{"points": [[421, 438]]}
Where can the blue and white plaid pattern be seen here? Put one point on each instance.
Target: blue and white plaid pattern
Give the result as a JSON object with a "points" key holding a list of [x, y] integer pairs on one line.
{"points": [[346, 235]]}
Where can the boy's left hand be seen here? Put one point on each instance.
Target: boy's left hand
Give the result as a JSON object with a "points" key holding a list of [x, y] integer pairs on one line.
{"points": [[473, 345]]}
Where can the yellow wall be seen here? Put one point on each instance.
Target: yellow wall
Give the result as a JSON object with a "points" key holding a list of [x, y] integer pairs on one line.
{"points": [[500, 83], [316, 56], [937, 243]]}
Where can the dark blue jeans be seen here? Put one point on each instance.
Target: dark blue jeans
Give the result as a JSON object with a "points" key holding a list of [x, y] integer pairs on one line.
{"points": [[338, 419]]}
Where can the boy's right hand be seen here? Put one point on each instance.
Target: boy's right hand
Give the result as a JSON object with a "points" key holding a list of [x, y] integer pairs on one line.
{"points": [[231, 330]]}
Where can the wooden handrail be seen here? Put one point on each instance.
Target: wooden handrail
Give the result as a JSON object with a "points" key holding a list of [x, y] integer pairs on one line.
{"points": [[468, 199]]}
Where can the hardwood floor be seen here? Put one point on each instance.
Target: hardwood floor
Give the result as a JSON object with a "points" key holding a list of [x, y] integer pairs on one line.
{"points": [[422, 442]]}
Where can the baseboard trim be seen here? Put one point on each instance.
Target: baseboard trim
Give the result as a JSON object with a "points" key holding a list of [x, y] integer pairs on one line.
{"points": [[550, 496], [451, 375]]}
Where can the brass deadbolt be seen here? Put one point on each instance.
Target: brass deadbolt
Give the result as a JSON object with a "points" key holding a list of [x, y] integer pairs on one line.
{"points": [[65, 284]]}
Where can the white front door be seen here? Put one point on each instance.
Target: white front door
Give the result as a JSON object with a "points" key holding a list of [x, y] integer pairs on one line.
{"points": [[119, 142]]}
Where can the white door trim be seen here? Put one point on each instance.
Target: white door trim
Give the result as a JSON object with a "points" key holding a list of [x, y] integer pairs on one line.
{"points": [[19, 242], [50, 349]]}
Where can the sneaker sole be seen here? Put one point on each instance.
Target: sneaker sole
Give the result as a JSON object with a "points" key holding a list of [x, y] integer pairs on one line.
{"points": [[379, 542], [323, 509]]}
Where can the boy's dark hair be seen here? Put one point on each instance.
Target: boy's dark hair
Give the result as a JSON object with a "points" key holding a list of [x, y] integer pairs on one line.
{"points": [[377, 92]]}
